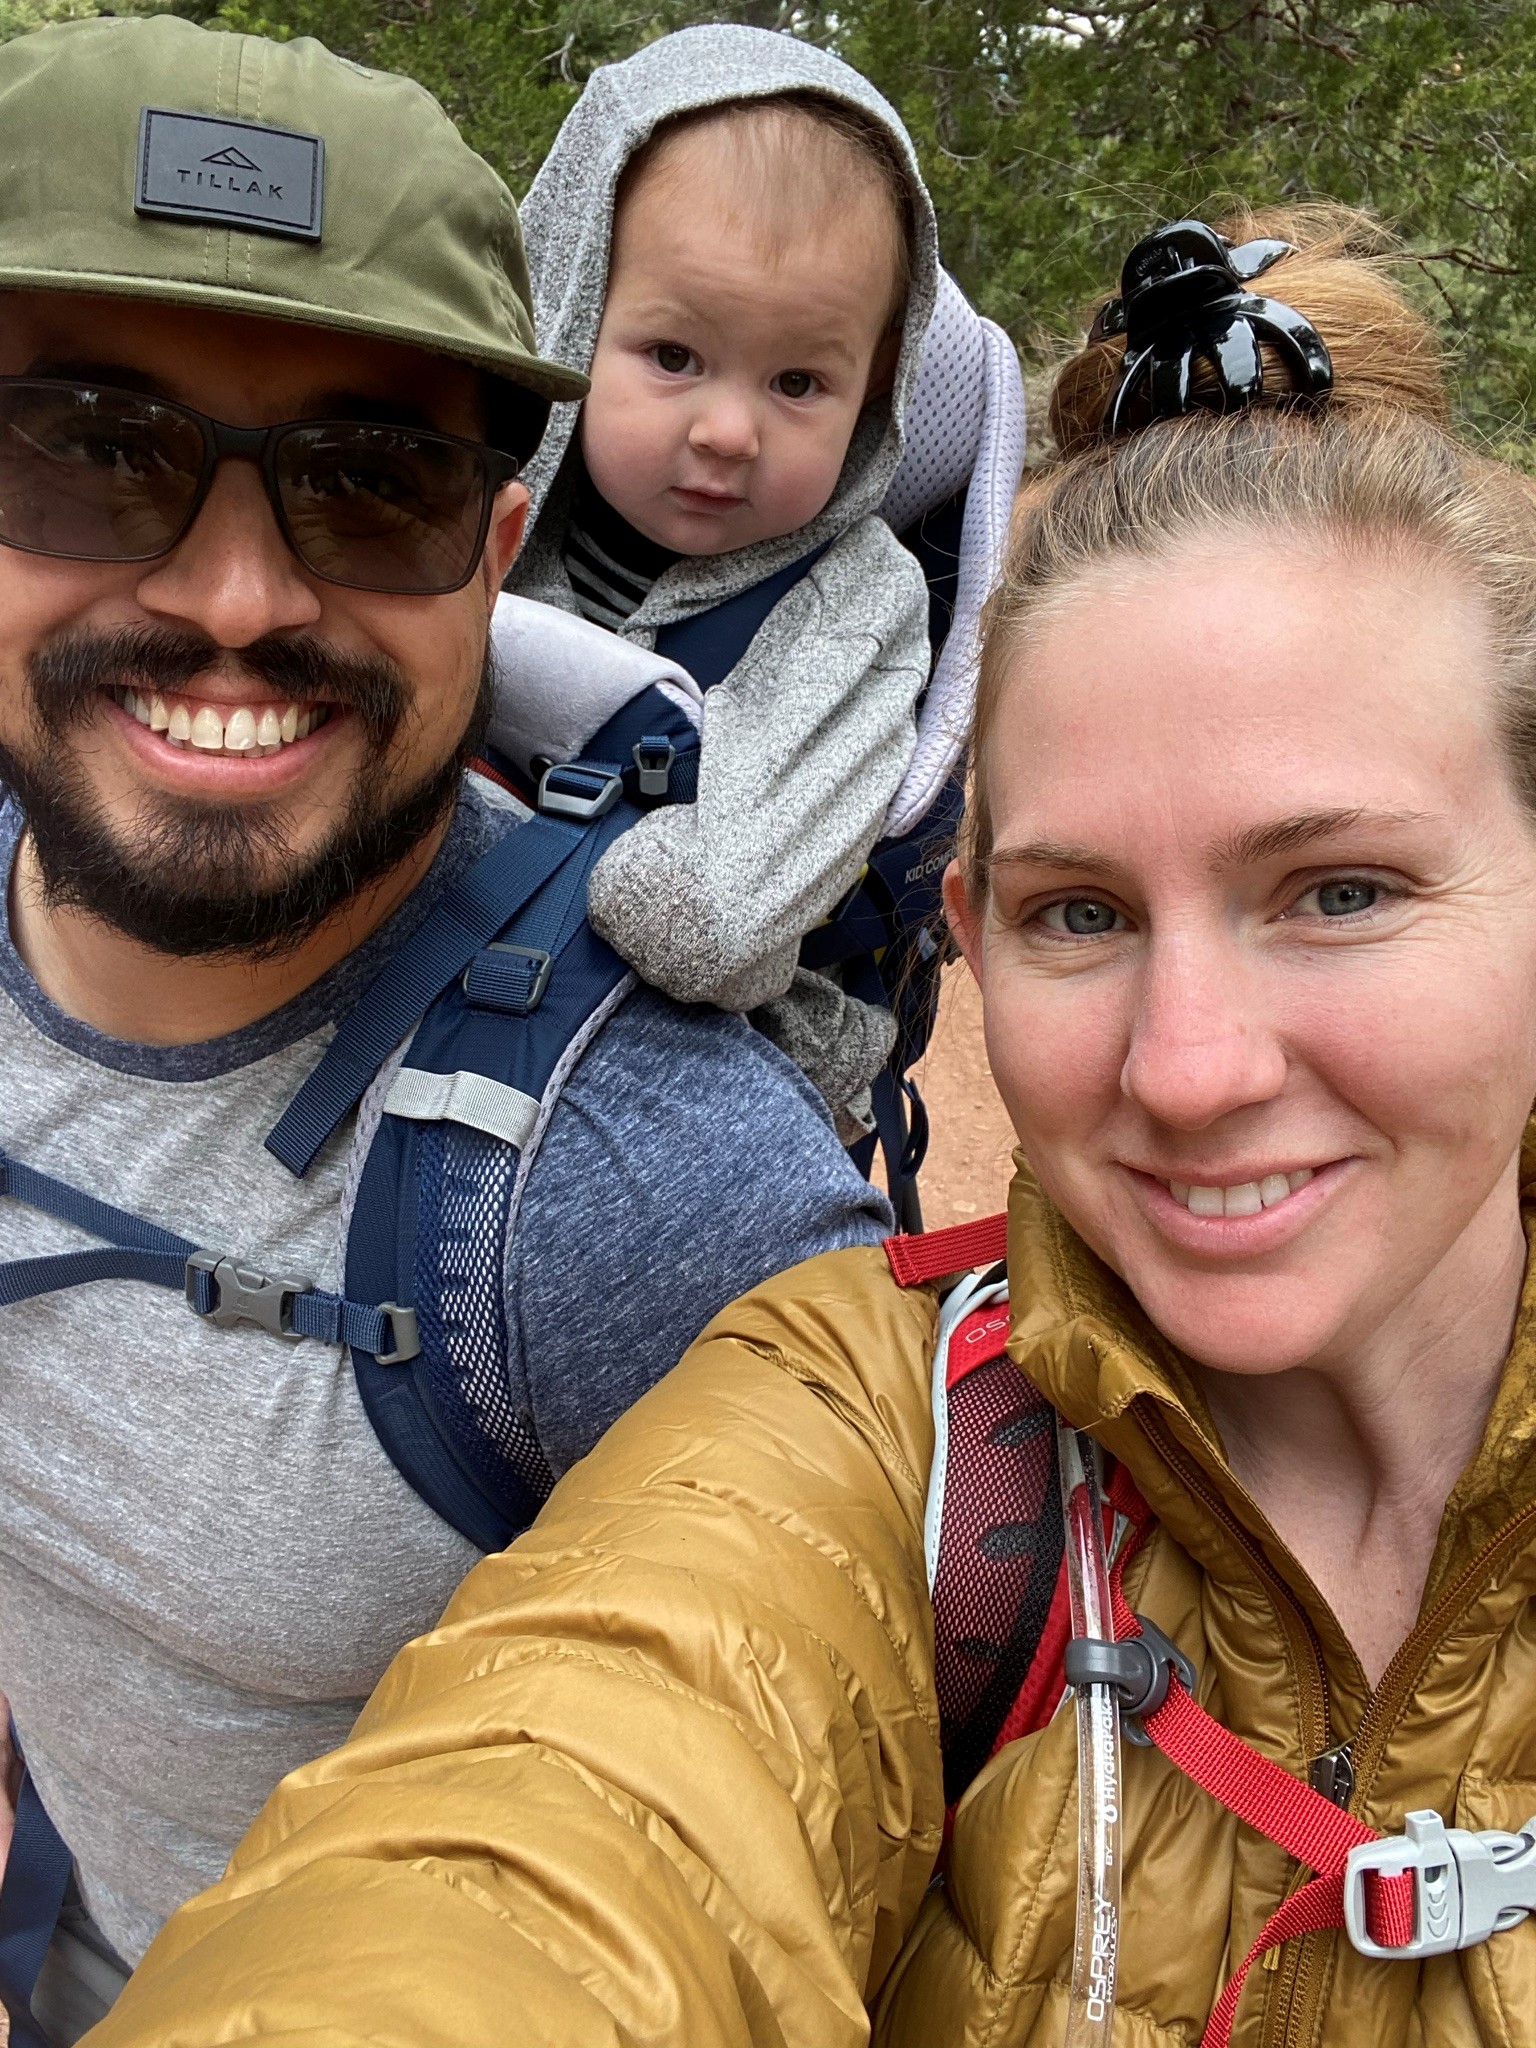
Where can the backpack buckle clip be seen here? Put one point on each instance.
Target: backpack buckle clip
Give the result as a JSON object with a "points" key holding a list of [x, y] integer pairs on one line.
{"points": [[580, 790], [241, 1295], [653, 765], [404, 1330], [508, 978], [1138, 1669], [1466, 1886]]}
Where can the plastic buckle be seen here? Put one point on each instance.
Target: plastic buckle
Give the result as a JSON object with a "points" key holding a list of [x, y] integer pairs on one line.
{"points": [[1466, 1886], [653, 765], [244, 1296], [406, 1332], [485, 993], [576, 789], [1139, 1669]]}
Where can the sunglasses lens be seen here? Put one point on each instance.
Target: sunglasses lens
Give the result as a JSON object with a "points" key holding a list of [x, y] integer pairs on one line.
{"points": [[382, 508], [104, 476]]}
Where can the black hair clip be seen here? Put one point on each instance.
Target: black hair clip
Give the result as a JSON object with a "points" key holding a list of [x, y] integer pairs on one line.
{"points": [[1183, 299]]}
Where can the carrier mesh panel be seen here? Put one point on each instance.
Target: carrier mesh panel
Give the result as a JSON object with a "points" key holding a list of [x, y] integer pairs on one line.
{"points": [[999, 1554], [465, 1180]]}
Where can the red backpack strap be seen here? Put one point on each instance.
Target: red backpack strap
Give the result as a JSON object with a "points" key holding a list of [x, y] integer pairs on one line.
{"points": [[1044, 1683], [1276, 1805], [934, 1254], [997, 1640]]}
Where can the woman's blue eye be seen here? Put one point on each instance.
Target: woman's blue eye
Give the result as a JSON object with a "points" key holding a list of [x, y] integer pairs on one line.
{"points": [[1347, 897], [1085, 917]]}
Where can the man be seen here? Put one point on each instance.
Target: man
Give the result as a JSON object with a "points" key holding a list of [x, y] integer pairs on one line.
{"points": [[242, 674]]}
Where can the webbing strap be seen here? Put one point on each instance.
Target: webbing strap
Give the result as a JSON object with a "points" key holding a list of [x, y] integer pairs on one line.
{"points": [[37, 1872], [135, 1249], [1319, 1904], [466, 917], [552, 918], [335, 1320], [1264, 1795], [1249, 1784], [72, 1205], [22, 1279], [140, 1250], [934, 1254]]}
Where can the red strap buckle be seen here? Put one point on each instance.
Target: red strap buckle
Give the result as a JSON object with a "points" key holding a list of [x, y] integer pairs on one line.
{"points": [[1432, 1889]]}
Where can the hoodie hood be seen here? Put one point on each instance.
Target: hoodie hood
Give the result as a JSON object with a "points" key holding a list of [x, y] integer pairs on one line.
{"points": [[567, 221]]}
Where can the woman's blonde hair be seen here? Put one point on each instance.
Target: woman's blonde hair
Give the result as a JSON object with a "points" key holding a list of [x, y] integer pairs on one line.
{"points": [[1374, 462]]}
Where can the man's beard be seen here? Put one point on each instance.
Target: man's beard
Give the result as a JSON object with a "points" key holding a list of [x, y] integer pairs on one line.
{"points": [[199, 878]]}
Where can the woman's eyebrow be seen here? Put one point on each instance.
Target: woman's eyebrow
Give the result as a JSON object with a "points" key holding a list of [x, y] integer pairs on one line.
{"points": [[1054, 853], [1289, 835], [1254, 843]]}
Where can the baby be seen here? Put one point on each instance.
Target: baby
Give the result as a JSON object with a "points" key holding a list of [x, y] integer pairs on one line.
{"points": [[731, 234]]}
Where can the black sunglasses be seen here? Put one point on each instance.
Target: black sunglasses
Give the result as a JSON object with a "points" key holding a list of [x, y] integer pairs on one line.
{"points": [[94, 474]]}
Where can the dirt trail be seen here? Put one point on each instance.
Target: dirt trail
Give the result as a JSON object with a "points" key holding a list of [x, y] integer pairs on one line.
{"points": [[970, 1159]]}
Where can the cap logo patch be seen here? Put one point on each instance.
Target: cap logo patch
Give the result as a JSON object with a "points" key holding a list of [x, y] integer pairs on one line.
{"points": [[197, 167]]}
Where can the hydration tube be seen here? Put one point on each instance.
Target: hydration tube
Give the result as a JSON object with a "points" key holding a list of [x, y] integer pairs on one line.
{"points": [[1096, 1949]]}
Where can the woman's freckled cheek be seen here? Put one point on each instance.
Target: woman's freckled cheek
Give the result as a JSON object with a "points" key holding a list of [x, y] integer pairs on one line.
{"points": [[1056, 1044]]}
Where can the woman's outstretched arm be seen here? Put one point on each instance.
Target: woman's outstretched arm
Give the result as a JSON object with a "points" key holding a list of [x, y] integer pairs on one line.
{"points": [[667, 1773]]}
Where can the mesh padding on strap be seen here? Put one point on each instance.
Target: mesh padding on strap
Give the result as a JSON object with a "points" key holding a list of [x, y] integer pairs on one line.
{"points": [[466, 1181], [999, 1555]]}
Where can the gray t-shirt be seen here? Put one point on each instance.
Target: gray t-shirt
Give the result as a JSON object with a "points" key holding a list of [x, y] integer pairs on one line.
{"points": [[206, 1558]]}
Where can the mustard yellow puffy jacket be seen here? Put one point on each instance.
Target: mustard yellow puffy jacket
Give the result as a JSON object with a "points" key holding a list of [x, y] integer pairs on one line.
{"points": [[668, 1772]]}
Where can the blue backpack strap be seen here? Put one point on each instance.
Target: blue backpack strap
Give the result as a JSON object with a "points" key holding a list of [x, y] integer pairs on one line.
{"points": [[710, 644], [217, 1285], [469, 914], [37, 1874], [433, 1204], [889, 938]]}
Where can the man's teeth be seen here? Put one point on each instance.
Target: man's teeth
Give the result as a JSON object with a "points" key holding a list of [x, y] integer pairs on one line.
{"points": [[245, 730], [1246, 1199]]}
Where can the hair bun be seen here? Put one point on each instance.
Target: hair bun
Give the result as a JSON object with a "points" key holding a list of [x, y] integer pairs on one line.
{"points": [[1329, 317]]}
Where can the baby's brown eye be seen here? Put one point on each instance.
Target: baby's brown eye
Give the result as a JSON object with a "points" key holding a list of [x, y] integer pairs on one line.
{"points": [[672, 357], [796, 383]]}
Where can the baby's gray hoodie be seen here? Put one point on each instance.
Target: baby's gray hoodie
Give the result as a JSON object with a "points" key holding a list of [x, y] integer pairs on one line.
{"points": [[804, 743]]}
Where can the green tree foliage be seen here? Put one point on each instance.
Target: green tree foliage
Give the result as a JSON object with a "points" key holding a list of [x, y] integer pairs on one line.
{"points": [[1051, 138], [18, 16]]}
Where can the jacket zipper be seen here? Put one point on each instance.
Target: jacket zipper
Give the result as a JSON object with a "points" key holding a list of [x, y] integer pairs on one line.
{"points": [[1296, 1992], [1303, 2007], [1398, 1682], [1292, 1617]]}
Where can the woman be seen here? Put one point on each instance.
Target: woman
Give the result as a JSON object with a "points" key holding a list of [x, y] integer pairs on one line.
{"points": [[1250, 889]]}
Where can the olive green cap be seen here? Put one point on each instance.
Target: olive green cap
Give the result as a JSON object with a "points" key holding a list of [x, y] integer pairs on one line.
{"points": [[152, 159]]}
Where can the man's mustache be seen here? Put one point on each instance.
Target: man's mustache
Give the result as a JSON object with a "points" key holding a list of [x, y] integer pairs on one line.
{"points": [[69, 671]]}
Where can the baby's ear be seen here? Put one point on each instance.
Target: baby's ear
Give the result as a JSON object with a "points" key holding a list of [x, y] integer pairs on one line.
{"points": [[882, 370]]}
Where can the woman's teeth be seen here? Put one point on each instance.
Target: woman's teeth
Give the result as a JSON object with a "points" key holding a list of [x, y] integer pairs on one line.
{"points": [[248, 729], [1246, 1199]]}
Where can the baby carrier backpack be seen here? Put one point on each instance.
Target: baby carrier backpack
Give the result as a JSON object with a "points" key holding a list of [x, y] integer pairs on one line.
{"points": [[949, 503], [455, 1056], [1006, 1657]]}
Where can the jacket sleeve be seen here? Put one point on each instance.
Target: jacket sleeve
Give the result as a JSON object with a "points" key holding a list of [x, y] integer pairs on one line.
{"points": [[803, 747], [668, 1771]]}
